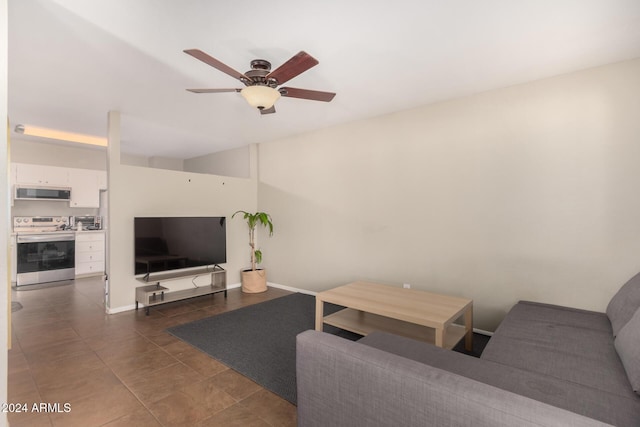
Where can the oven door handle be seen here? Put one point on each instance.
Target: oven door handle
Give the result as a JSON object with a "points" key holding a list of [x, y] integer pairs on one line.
{"points": [[45, 238]]}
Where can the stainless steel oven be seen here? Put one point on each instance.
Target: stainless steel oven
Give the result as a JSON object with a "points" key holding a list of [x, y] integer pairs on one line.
{"points": [[44, 251], [45, 257]]}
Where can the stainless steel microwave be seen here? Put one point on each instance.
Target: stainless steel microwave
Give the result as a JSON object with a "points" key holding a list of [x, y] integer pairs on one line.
{"points": [[25, 192]]}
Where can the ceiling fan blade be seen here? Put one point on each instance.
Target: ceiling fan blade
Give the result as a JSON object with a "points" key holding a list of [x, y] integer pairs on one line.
{"points": [[213, 90], [198, 54], [298, 64], [268, 110], [314, 95]]}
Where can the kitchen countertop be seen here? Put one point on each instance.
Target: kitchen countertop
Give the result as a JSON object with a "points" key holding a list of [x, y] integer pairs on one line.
{"points": [[57, 232]]}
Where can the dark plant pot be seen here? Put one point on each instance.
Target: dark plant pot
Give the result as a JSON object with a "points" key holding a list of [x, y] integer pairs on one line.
{"points": [[254, 282]]}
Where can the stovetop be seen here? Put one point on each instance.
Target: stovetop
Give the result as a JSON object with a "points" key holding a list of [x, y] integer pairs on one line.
{"points": [[40, 224]]}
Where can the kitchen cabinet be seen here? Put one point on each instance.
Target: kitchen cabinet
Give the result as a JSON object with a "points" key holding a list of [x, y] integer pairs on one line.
{"points": [[102, 180], [85, 191], [90, 251], [85, 184], [13, 172], [49, 176]]}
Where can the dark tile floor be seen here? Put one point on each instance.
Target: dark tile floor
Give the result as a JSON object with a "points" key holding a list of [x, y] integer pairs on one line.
{"points": [[123, 369]]}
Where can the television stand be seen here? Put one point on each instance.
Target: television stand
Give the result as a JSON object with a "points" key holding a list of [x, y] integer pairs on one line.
{"points": [[156, 294]]}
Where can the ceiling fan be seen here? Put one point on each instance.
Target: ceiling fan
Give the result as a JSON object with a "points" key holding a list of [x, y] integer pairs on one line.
{"points": [[261, 84]]}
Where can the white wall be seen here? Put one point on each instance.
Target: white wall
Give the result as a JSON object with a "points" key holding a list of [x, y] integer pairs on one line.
{"points": [[528, 192], [166, 163], [134, 160], [152, 162], [141, 191], [233, 162], [52, 153], [5, 276]]}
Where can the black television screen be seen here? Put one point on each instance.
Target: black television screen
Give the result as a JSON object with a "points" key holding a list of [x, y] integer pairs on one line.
{"points": [[170, 243]]}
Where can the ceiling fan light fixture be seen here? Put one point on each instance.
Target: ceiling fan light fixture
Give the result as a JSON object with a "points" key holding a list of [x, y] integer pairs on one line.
{"points": [[261, 97]]}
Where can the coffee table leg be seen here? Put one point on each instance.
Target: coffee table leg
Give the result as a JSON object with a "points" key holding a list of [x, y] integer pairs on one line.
{"points": [[440, 337], [468, 324], [319, 314]]}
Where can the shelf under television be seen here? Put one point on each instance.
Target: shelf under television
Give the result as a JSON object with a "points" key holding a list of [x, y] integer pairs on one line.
{"points": [[165, 276], [156, 294]]}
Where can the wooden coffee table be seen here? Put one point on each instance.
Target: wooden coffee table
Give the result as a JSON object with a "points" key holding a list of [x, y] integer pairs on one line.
{"points": [[420, 315]]}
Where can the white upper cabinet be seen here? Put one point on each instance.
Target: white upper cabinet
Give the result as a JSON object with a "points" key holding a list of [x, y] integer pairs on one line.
{"points": [[14, 172], [85, 183], [50, 176], [102, 180], [85, 191]]}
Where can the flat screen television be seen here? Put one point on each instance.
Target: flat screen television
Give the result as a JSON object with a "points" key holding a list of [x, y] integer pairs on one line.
{"points": [[170, 243]]}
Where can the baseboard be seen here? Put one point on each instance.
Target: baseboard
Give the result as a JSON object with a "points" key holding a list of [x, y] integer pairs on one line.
{"points": [[121, 309], [291, 289]]}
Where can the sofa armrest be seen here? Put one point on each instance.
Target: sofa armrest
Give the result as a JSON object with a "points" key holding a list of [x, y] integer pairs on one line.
{"points": [[344, 383]]}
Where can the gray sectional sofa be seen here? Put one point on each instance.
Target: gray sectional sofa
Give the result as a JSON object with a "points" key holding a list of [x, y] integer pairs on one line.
{"points": [[545, 365]]}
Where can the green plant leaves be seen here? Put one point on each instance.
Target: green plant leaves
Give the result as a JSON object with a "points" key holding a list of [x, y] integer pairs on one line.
{"points": [[253, 219]]}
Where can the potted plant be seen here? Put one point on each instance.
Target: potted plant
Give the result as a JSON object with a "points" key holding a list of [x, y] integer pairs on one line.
{"points": [[255, 280]]}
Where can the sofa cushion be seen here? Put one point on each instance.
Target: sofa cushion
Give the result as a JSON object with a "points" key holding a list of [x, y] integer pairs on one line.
{"points": [[624, 303], [566, 343], [588, 401], [628, 347]]}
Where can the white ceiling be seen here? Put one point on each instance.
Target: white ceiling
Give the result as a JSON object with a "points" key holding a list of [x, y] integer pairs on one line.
{"points": [[71, 61]]}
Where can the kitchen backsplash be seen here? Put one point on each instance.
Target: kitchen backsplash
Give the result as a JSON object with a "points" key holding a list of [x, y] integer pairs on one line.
{"points": [[48, 208]]}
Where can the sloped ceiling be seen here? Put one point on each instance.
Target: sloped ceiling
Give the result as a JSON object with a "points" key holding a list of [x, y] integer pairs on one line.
{"points": [[72, 61]]}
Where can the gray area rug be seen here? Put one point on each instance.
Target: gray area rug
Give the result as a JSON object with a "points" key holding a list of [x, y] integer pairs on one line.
{"points": [[259, 341]]}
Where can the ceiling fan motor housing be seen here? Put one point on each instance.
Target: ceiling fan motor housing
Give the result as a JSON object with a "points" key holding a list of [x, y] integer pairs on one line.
{"points": [[260, 64], [260, 69]]}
